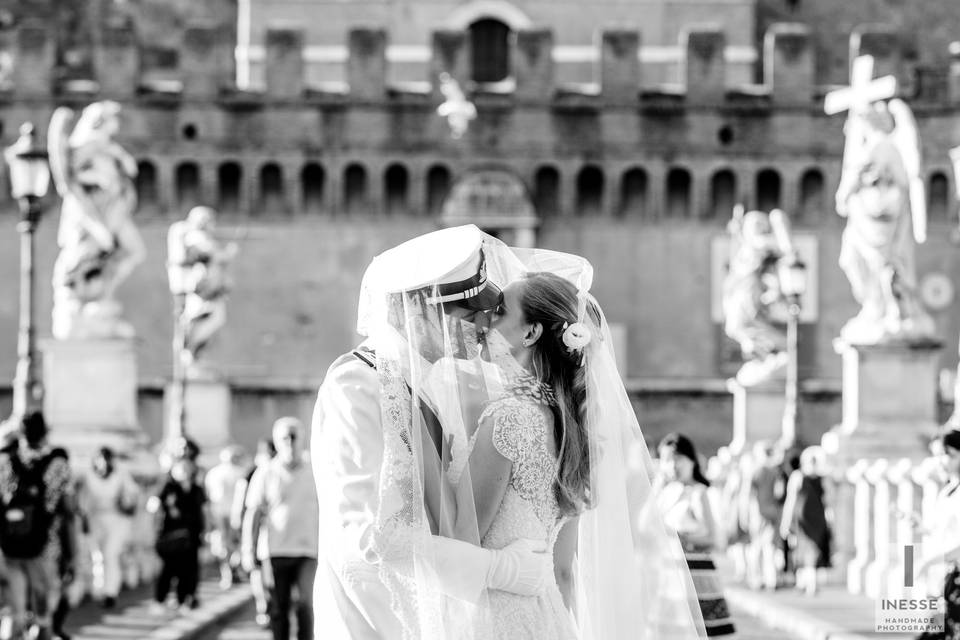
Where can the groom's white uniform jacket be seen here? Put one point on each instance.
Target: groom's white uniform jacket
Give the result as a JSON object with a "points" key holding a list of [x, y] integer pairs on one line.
{"points": [[350, 602]]}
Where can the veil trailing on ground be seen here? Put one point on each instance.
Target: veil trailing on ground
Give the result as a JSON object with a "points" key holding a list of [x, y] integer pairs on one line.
{"points": [[440, 368]]}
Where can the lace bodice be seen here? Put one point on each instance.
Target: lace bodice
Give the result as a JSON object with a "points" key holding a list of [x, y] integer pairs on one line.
{"points": [[521, 433]]}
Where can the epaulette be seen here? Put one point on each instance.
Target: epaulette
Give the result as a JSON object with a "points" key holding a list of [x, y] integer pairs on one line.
{"points": [[367, 356]]}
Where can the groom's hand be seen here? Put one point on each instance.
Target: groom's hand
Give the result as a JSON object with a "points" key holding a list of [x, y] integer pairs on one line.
{"points": [[523, 567]]}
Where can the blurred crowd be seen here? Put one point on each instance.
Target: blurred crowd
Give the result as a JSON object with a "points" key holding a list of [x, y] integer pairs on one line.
{"points": [[72, 529], [770, 512]]}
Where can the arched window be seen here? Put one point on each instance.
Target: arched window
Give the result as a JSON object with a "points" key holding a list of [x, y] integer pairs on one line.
{"points": [[633, 193], [438, 186], [589, 191], [396, 184], [768, 190], [723, 195], [229, 179], [312, 182], [938, 195], [147, 200], [490, 50], [271, 189], [546, 191], [187, 179], [354, 188], [678, 193], [811, 195]]}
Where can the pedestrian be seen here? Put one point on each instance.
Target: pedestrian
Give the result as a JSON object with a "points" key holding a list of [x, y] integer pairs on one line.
{"points": [[260, 576], [108, 500], [282, 500], [180, 505], [941, 559], [767, 489], [687, 508], [35, 498], [221, 483], [805, 513]]}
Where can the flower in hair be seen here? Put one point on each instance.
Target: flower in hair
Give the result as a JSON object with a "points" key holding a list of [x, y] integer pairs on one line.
{"points": [[575, 336]]}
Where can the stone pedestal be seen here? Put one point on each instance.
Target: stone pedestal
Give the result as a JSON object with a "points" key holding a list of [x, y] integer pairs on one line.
{"points": [[207, 416], [90, 396], [757, 413], [889, 413], [889, 402]]}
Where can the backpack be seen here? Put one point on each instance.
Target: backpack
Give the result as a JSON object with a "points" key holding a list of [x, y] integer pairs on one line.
{"points": [[24, 520]]}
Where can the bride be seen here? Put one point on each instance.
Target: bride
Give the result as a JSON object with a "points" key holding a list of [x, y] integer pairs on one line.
{"points": [[519, 427]]}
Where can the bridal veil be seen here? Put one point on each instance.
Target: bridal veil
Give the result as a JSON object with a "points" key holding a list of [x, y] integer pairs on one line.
{"points": [[437, 373]]}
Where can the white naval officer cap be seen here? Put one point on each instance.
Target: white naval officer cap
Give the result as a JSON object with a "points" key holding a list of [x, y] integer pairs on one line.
{"points": [[448, 265]]}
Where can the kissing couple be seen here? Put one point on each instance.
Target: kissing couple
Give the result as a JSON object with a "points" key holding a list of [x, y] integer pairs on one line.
{"points": [[479, 466]]}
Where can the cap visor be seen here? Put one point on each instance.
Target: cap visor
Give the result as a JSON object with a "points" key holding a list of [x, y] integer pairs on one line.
{"points": [[488, 298]]}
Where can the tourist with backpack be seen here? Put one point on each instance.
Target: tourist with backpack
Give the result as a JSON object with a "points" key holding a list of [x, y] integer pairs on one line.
{"points": [[35, 498], [180, 507]]}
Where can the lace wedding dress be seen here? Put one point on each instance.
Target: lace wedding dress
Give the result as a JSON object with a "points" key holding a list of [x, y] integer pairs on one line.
{"points": [[523, 433]]}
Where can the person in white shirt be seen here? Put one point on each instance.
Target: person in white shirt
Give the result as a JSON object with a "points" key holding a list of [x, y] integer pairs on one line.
{"points": [[221, 485], [282, 500], [108, 499]]}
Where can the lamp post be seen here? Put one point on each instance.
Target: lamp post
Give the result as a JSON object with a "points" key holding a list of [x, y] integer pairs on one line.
{"points": [[29, 180], [793, 284]]}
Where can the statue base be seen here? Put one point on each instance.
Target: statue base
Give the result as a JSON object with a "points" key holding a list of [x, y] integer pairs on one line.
{"points": [[206, 413], [90, 398], [889, 412], [757, 413], [889, 402]]}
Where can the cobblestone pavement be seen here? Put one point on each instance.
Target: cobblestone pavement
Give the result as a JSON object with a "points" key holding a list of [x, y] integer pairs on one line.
{"points": [[241, 626]]}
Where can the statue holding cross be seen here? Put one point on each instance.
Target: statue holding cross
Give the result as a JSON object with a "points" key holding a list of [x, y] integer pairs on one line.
{"points": [[881, 193]]}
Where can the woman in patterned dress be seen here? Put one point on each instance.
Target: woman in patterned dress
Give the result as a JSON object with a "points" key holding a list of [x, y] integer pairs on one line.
{"points": [[686, 507]]}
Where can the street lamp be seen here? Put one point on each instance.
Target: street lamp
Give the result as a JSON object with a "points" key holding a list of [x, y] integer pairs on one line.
{"points": [[793, 284], [29, 180]]}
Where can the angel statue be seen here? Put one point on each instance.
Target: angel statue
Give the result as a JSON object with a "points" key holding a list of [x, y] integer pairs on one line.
{"points": [[881, 193], [197, 266], [99, 244], [751, 293]]}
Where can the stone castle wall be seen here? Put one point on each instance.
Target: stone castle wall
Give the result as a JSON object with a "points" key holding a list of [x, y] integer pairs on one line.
{"points": [[312, 182]]}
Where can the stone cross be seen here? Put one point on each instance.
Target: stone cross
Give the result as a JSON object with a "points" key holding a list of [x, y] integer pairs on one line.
{"points": [[864, 89]]}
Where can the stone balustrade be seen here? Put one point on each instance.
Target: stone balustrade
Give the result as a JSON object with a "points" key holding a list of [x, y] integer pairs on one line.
{"points": [[888, 496]]}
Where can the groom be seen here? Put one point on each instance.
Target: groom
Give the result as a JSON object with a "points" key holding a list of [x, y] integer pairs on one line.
{"points": [[350, 601]]}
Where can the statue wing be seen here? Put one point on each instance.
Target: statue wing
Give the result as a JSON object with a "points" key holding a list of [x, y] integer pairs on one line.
{"points": [[58, 147], [907, 140]]}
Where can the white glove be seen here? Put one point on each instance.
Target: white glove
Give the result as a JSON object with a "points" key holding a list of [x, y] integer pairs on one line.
{"points": [[522, 567]]}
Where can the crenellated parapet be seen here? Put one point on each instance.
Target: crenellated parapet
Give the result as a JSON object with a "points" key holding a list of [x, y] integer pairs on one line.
{"points": [[285, 62], [205, 67], [788, 63], [683, 148], [33, 60]]}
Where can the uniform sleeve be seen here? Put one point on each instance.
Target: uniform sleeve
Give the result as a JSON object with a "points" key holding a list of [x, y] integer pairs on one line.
{"points": [[347, 449]]}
